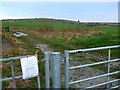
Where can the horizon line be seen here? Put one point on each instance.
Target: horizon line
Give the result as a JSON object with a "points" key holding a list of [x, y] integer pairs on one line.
{"points": [[58, 19]]}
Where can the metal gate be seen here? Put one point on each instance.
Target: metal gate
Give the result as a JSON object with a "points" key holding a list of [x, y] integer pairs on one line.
{"points": [[55, 69], [56, 74], [13, 78], [68, 68]]}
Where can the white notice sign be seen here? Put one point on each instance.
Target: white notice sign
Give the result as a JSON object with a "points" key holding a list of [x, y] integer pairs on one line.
{"points": [[29, 66]]}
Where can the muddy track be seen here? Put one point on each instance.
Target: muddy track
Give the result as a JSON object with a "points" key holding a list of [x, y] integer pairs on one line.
{"points": [[77, 74]]}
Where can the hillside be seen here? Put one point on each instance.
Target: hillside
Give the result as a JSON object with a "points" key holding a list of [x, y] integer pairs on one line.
{"points": [[57, 35]]}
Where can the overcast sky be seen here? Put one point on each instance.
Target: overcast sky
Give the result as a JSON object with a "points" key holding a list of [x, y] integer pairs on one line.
{"points": [[83, 11]]}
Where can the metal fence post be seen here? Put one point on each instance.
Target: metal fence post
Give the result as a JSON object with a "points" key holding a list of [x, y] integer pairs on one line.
{"points": [[47, 72], [108, 86], [66, 68], [56, 69], [13, 74]]}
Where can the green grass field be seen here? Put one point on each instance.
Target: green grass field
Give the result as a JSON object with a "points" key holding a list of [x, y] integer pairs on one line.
{"points": [[60, 35], [92, 36]]}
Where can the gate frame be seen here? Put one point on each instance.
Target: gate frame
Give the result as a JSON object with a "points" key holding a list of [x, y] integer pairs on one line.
{"points": [[67, 68], [13, 72], [55, 68]]}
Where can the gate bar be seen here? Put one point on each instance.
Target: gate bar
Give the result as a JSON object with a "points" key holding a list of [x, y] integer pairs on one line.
{"points": [[56, 69], [13, 74], [47, 72], [104, 83], [108, 67], [66, 66], [11, 58], [86, 79], [86, 65], [92, 49], [38, 79], [8, 79], [114, 87]]}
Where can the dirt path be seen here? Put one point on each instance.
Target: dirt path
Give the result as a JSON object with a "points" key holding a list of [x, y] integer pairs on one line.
{"points": [[78, 73], [44, 47]]}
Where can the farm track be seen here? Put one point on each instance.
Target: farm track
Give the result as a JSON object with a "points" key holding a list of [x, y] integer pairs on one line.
{"points": [[78, 73], [41, 46]]}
